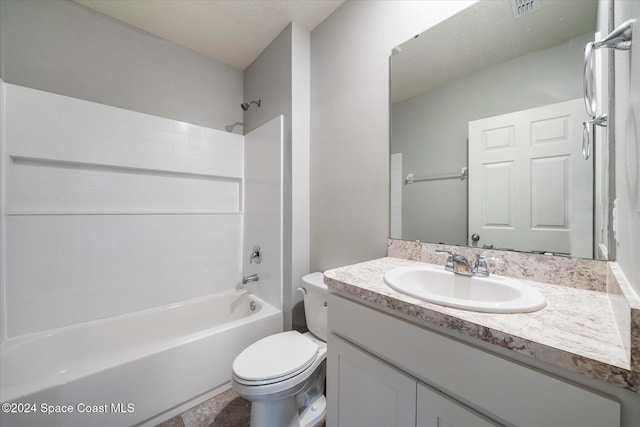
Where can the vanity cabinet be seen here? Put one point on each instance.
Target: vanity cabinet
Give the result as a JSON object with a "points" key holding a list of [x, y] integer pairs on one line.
{"points": [[386, 371], [375, 393], [435, 409]]}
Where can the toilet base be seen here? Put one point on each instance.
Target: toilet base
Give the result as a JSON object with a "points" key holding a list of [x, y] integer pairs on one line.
{"points": [[314, 413], [269, 413], [285, 413]]}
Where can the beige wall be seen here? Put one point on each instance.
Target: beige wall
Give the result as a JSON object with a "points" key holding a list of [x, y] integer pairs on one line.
{"points": [[63, 47], [350, 131], [350, 124]]}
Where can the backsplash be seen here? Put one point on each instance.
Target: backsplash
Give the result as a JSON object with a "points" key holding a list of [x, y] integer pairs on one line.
{"points": [[564, 271], [626, 308]]}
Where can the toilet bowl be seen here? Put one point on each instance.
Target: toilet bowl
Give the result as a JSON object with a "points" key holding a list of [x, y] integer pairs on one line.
{"points": [[283, 375]]}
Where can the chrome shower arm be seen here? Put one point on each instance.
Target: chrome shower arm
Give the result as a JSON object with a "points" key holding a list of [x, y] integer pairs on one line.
{"points": [[620, 38]]}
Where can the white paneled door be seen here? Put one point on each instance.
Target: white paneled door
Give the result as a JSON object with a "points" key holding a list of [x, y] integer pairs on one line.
{"points": [[529, 186]]}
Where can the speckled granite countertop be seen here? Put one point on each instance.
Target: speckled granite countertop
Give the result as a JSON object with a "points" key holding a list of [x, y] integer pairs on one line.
{"points": [[577, 329]]}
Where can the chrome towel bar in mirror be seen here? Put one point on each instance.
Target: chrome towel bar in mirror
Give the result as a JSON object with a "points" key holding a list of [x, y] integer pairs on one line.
{"points": [[464, 174], [619, 39]]}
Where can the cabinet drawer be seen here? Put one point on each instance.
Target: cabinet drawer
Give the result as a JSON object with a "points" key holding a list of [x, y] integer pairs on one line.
{"points": [[501, 388]]}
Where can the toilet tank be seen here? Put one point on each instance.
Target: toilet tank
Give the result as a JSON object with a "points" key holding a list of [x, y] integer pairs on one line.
{"points": [[315, 304]]}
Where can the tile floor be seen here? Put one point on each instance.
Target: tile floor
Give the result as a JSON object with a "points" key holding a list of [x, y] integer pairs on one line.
{"points": [[225, 410]]}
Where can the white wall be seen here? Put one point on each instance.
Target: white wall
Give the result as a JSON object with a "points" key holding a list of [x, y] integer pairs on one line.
{"points": [[627, 146], [431, 130], [63, 47], [3, 211], [280, 77], [110, 211], [300, 159], [350, 124]]}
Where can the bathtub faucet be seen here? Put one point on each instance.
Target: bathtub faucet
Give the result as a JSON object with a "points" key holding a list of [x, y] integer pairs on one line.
{"points": [[247, 279]]}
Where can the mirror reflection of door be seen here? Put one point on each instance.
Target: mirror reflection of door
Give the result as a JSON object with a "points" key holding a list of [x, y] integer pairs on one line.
{"points": [[498, 64], [529, 186]]}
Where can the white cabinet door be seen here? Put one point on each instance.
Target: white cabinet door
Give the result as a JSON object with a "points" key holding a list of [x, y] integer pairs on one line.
{"points": [[363, 391], [529, 186], [437, 410], [509, 391]]}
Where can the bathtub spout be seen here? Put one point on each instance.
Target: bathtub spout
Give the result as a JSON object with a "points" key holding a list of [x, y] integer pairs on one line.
{"points": [[245, 280], [252, 278]]}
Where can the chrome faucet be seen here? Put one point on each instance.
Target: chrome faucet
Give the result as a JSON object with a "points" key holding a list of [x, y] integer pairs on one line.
{"points": [[252, 278], [478, 269]]}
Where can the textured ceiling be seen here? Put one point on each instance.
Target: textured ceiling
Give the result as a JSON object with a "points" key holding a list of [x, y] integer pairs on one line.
{"points": [[234, 32], [482, 36]]}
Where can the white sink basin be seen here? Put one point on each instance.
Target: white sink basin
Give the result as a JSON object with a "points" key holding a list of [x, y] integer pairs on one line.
{"points": [[493, 294]]}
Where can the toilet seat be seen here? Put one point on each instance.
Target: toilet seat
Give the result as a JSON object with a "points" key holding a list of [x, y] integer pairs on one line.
{"points": [[275, 358]]}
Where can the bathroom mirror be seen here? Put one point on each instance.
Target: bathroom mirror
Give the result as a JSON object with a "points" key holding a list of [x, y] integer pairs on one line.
{"points": [[486, 131]]}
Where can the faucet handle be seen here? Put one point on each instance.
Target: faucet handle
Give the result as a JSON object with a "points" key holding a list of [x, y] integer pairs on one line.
{"points": [[484, 257], [451, 255], [480, 267], [256, 254]]}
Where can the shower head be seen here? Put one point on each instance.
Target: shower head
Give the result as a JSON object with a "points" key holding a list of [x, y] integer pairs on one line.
{"points": [[245, 105]]}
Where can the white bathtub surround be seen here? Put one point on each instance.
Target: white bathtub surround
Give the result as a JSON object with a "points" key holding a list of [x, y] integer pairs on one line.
{"points": [[124, 246], [133, 359], [111, 211], [263, 221]]}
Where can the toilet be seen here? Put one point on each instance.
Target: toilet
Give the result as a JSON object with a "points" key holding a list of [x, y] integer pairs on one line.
{"points": [[283, 375]]}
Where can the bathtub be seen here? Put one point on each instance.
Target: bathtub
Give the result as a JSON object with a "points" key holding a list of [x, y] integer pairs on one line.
{"points": [[134, 369]]}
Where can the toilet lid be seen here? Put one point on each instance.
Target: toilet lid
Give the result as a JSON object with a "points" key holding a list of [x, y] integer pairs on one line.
{"points": [[275, 356]]}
